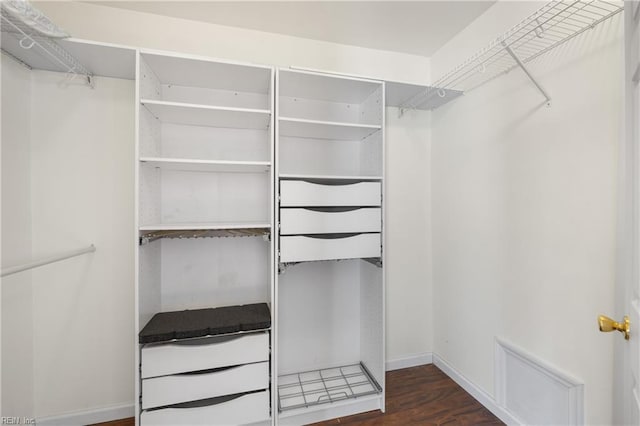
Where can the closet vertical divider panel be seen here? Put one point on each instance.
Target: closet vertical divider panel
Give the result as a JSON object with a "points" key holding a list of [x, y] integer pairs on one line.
{"points": [[205, 255], [330, 246]]}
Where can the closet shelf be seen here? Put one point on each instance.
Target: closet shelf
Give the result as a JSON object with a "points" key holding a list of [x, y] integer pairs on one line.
{"points": [[189, 165], [331, 130], [550, 26], [150, 233], [33, 39], [208, 115], [325, 386]]}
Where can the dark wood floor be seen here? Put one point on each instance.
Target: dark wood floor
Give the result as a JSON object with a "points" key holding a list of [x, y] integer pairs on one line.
{"points": [[423, 396], [415, 396]]}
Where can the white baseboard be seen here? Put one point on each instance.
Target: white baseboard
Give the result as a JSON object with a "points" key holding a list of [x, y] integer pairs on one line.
{"points": [[479, 394], [87, 417], [410, 361]]}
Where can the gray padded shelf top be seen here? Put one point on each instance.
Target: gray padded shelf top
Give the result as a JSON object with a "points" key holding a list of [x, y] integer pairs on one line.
{"points": [[167, 326]]}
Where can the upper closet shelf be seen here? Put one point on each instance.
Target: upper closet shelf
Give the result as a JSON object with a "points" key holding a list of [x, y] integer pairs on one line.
{"points": [[314, 129], [188, 165], [35, 41], [207, 115], [550, 26]]}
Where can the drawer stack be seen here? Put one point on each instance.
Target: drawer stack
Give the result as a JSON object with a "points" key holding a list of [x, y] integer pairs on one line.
{"points": [[329, 221], [208, 379]]}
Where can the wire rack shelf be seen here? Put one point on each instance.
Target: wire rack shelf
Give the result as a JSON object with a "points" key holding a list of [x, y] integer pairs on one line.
{"points": [[37, 34], [303, 390], [550, 26], [152, 235]]}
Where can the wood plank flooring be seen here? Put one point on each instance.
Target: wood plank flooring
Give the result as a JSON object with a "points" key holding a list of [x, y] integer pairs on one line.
{"points": [[421, 395]]}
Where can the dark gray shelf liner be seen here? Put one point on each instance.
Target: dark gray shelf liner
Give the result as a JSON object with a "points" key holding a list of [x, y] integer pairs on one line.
{"points": [[188, 324]]}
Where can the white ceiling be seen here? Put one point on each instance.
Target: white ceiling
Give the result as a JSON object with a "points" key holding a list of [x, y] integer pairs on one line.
{"points": [[416, 27]]}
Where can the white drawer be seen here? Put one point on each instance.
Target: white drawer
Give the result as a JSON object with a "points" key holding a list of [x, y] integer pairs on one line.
{"points": [[305, 221], [203, 354], [168, 390], [295, 193], [302, 248], [244, 409]]}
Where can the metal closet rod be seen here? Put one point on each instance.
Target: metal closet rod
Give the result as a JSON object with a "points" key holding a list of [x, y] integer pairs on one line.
{"points": [[46, 261]]}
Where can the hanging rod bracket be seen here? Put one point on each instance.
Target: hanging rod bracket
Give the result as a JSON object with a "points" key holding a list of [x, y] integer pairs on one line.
{"points": [[527, 72]]}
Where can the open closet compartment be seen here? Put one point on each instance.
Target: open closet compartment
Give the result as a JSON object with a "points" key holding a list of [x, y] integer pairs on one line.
{"points": [[205, 144], [205, 253], [329, 127], [330, 280]]}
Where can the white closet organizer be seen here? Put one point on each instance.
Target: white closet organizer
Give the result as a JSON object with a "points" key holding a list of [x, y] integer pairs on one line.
{"points": [[330, 285], [204, 221]]}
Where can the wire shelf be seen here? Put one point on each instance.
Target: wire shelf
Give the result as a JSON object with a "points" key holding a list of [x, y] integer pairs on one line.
{"points": [[149, 236], [550, 26], [36, 34], [302, 390]]}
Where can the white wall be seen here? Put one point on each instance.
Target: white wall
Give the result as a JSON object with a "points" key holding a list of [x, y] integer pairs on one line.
{"points": [[82, 169], [409, 290], [524, 213], [127, 27], [97, 368], [17, 304], [67, 171]]}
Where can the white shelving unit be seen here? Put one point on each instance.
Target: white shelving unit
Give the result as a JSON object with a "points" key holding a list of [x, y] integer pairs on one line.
{"points": [[330, 281], [204, 178]]}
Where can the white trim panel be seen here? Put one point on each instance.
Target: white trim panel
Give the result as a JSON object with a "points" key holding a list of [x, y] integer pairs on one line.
{"points": [[475, 391], [534, 391]]}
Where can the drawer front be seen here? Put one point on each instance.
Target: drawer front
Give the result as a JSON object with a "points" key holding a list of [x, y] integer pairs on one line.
{"points": [[303, 248], [203, 354], [305, 221], [294, 193], [249, 408], [168, 390]]}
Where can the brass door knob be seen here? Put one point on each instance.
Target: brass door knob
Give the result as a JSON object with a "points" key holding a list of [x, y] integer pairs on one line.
{"points": [[607, 324]]}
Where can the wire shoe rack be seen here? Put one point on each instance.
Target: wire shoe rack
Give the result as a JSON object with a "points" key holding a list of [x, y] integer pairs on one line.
{"points": [[325, 386]]}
